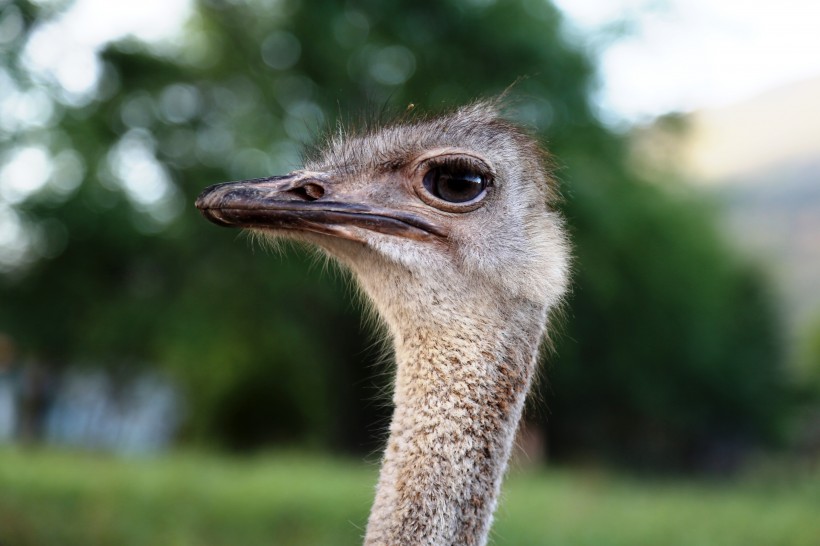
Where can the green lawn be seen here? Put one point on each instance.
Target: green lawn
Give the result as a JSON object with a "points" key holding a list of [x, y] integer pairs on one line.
{"points": [[68, 499]]}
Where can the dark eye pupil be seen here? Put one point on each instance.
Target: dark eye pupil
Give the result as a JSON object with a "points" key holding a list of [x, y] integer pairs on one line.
{"points": [[454, 186]]}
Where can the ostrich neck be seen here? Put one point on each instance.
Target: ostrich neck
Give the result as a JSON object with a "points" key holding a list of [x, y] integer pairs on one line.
{"points": [[460, 389]]}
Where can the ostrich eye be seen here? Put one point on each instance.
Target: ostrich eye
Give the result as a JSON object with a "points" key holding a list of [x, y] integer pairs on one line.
{"points": [[454, 185]]}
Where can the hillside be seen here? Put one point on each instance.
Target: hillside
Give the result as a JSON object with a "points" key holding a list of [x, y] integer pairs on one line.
{"points": [[761, 157]]}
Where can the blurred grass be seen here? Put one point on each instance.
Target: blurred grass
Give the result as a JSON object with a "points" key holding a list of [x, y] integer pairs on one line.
{"points": [[51, 497]]}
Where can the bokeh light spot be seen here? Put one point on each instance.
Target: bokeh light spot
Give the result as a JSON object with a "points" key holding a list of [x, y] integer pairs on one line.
{"points": [[25, 173], [393, 65], [281, 50]]}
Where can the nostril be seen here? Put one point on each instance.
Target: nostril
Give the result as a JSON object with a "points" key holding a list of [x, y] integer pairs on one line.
{"points": [[309, 191], [313, 191]]}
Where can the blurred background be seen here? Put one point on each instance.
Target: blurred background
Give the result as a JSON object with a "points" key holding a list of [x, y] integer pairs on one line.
{"points": [[164, 380]]}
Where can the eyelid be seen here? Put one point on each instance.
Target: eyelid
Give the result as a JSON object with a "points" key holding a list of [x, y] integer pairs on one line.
{"points": [[456, 161]]}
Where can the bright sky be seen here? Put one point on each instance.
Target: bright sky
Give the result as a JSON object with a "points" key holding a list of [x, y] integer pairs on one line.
{"points": [[690, 54]]}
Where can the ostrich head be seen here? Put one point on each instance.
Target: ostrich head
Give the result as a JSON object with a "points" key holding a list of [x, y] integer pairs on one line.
{"points": [[447, 223], [449, 209]]}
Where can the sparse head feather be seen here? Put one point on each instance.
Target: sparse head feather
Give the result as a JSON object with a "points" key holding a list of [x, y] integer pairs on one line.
{"points": [[478, 125]]}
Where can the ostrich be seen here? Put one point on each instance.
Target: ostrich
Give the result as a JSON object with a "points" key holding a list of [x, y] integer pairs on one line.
{"points": [[448, 225]]}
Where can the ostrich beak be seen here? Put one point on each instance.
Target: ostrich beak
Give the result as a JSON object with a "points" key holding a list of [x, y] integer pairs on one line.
{"points": [[308, 201]]}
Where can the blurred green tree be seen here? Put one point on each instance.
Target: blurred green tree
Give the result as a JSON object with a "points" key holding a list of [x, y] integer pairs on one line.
{"points": [[808, 360], [669, 343]]}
